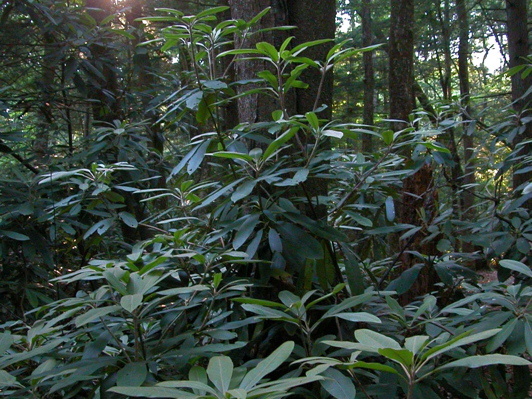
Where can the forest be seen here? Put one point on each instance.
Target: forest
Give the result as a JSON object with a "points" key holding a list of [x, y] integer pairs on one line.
{"points": [[236, 199]]}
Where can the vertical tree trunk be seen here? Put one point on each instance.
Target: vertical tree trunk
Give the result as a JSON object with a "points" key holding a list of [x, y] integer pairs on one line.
{"points": [[106, 106], [401, 53], [518, 48], [314, 20], [418, 192], [369, 76], [255, 108], [467, 197]]}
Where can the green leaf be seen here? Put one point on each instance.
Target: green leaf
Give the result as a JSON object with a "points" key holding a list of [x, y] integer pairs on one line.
{"points": [[374, 366], [387, 137], [278, 142], [151, 392], [516, 266], [333, 133], [359, 317], [128, 219], [195, 159], [338, 385], [403, 283], [267, 365], [132, 375], [313, 121], [220, 371], [198, 374], [435, 147], [7, 380], [245, 230], [195, 385], [131, 302], [375, 340], [243, 190], [355, 278], [268, 50], [13, 235], [401, 356], [94, 314], [6, 340], [232, 155], [502, 335], [416, 343], [261, 302], [211, 11], [486, 360], [390, 209], [269, 77], [462, 339]]}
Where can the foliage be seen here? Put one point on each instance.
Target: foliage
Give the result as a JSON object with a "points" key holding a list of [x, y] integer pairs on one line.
{"points": [[179, 271]]}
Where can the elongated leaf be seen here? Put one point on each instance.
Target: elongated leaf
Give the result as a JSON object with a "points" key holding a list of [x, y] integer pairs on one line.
{"points": [[415, 343], [499, 339], [353, 272], [267, 49], [243, 190], [278, 142], [262, 302], [338, 385], [7, 380], [232, 155], [151, 392], [94, 314], [131, 302], [267, 365], [218, 193], [359, 317], [245, 230], [401, 356], [6, 340], [516, 266], [375, 339], [462, 339], [14, 235], [132, 375], [374, 366], [486, 360], [220, 371], [128, 219]]}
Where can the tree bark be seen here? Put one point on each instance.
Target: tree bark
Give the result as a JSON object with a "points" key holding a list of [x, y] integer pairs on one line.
{"points": [[401, 61], [369, 76], [418, 190], [518, 48], [254, 108], [104, 92]]}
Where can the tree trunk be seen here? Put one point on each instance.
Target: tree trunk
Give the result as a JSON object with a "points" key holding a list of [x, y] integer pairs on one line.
{"points": [[254, 108], [418, 190], [106, 106], [401, 53], [468, 179], [518, 48], [369, 76]]}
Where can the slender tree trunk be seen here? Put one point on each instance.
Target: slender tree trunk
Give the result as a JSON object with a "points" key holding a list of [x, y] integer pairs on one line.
{"points": [[401, 53], [518, 48], [468, 179], [369, 76]]}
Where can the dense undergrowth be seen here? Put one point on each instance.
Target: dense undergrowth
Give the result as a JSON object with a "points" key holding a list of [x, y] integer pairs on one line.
{"points": [[247, 284]]}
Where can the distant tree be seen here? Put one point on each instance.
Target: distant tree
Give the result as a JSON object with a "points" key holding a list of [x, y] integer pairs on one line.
{"points": [[518, 50]]}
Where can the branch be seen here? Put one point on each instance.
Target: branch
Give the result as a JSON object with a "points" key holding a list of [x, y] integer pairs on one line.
{"points": [[7, 150]]}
